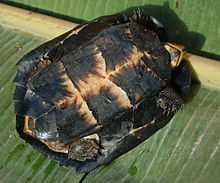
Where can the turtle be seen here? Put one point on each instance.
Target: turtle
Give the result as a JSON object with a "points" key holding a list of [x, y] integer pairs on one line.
{"points": [[97, 91]]}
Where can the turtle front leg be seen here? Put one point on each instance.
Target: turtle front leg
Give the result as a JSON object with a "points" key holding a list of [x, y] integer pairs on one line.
{"points": [[150, 22], [166, 103], [138, 16]]}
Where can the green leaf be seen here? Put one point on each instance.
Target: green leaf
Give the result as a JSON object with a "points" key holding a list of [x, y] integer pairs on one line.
{"points": [[195, 23], [132, 170]]}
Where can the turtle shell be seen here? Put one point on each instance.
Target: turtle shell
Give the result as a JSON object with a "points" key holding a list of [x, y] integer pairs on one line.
{"points": [[97, 91]]}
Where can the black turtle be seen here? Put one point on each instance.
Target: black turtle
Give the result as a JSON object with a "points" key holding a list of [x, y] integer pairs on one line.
{"points": [[97, 91]]}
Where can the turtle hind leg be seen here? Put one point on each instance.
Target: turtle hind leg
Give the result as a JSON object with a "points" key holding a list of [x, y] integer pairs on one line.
{"points": [[181, 79], [86, 148], [167, 103]]}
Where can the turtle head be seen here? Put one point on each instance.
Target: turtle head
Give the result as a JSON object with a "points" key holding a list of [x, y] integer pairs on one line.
{"points": [[181, 74], [176, 53]]}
